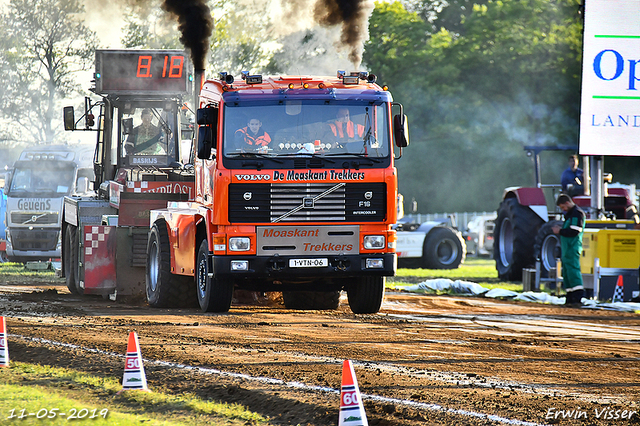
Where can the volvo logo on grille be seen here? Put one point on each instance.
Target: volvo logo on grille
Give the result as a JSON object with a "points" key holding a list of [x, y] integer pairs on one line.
{"points": [[307, 202], [247, 196], [368, 195]]}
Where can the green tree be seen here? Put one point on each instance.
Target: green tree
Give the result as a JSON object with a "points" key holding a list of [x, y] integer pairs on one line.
{"points": [[149, 28], [44, 46], [478, 83], [238, 41]]}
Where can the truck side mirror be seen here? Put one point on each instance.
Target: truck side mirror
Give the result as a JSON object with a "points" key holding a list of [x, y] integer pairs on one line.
{"points": [[69, 118], [401, 130], [206, 116], [207, 119], [127, 126], [205, 142], [82, 186]]}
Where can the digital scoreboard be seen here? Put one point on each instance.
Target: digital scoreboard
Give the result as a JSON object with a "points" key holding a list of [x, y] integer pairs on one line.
{"points": [[130, 72]]}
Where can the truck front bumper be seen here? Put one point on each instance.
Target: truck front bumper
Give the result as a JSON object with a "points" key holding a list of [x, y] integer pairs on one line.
{"points": [[281, 267]]}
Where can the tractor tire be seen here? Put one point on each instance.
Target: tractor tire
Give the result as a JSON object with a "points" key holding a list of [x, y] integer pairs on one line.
{"points": [[514, 236], [443, 248], [71, 265], [547, 247], [214, 293], [365, 294], [164, 289], [311, 300]]}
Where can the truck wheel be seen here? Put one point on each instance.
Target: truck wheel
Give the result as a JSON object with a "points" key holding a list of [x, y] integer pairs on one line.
{"points": [[547, 247], [443, 248], [513, 238], [71, 259], [214, 293], [164, 289], [365, 294], [311, 300]]}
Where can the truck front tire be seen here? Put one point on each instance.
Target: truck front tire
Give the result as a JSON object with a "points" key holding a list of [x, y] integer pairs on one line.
{"points": [[365, 294], [164, 289], [214, 293], [71, 259]]}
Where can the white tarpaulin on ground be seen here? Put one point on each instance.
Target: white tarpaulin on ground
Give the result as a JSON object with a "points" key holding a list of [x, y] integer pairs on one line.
{"points": [[467, 288]]}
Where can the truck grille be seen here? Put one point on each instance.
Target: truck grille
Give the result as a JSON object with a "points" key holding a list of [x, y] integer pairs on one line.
{"points": [[34, 218], [34, 239], [280, 203]]}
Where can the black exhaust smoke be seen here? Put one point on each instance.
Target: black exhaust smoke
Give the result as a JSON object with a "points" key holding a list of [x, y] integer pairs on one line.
{"points": [[195, 24], [354, 17]]}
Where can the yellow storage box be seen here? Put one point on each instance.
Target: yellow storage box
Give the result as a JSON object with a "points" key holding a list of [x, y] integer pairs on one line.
{"points": [[616, 248]]}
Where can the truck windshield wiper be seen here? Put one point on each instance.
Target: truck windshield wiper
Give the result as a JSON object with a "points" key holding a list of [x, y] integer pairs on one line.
{"points": [[315, 155], [354, 154], [254, 155]]}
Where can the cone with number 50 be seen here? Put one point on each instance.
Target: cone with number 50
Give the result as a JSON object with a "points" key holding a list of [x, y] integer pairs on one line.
{"points": [[351, 408], [4, 350], [134, 377]]}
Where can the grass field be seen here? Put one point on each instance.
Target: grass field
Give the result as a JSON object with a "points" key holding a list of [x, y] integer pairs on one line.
{"points": [[36, 395], [478, 270]]}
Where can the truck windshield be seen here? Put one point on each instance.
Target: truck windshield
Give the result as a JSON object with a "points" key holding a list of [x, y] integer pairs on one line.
{"points": [[43, 179], [306, 127], [146, 131]]}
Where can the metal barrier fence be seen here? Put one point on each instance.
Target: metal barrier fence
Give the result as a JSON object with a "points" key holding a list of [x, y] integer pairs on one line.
{"points": [[461, 219]]}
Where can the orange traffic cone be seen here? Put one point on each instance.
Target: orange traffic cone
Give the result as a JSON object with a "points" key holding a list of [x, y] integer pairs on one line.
{"points": [[351, 408], [618, 293], [134, 377], [4, 349]]}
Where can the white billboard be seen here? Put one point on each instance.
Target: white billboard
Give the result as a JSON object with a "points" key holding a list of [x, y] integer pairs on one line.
{"points": [[610, 111]]}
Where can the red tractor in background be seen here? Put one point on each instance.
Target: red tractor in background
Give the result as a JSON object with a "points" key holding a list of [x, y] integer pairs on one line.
{"points": [[522, 231]]}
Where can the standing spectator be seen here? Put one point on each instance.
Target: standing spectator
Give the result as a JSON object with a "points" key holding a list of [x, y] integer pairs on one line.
{"points": [[571, 246], [572, 179]]}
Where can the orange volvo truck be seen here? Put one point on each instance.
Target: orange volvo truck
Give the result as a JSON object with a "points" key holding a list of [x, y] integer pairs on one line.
{"points": [[295, 191]]}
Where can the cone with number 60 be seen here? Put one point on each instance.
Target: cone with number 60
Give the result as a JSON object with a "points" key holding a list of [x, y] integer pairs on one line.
{"points": [[4, 350], [351, 408], [134, 377]]}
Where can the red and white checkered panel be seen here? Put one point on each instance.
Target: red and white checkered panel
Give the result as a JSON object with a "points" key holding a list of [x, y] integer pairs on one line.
{"points": [[138, 186], [99, 245]]}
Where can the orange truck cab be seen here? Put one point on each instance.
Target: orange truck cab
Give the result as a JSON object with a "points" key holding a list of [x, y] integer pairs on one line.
{"points": [[295, 191]]}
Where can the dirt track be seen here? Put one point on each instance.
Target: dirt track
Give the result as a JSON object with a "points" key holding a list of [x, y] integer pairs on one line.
{"points": [[423, 360]]}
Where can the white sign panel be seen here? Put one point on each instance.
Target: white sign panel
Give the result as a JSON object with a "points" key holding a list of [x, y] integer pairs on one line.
{"points": [[610, 112]]}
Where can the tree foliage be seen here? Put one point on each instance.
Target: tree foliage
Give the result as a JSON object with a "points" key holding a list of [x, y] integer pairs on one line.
{"points": [[479, 80], [44, 45]]}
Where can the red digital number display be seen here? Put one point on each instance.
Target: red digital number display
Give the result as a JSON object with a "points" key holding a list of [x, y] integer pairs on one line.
{"points": [[138, 72]]}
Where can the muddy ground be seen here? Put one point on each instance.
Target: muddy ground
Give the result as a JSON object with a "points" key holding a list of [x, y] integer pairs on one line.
{"points": [[423, 360]]}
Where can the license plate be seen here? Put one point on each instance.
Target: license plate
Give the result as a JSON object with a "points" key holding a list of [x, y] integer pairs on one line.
{"points": [[308, 263]]}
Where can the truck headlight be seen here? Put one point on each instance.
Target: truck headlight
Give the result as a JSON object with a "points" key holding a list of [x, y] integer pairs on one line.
{"points": [[239, 265], [374, 264], [239, 243], [374, 242]]}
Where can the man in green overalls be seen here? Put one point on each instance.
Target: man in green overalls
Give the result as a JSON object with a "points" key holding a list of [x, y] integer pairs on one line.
{"points": [[571, 245]]}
